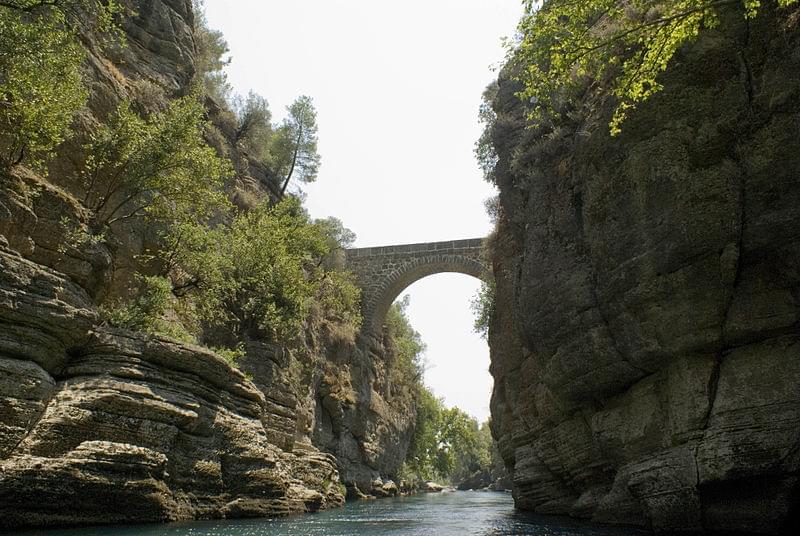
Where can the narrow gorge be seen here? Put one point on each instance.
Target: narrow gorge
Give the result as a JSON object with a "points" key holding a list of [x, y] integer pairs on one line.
{"points": [[643, 317]]}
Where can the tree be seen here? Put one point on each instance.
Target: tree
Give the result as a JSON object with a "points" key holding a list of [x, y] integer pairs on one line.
{"points": [[259, 275], [158, 168], [408, 348], [461, 446], [211, 56], [253, 129], [485, 152], [482, 305], [295, 144], [41, 87], [339, 236], [422, 456], [566, 44]]}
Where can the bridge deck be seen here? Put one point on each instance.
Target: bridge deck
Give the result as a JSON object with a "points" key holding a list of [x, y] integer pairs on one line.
{"points": [[466, 243]]}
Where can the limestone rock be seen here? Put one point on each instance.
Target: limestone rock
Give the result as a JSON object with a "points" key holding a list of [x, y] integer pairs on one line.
{"points": [[145, 429], [645, 344]]}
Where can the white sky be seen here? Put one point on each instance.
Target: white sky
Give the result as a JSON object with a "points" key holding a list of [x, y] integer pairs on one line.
{"points": [[397, 87]]}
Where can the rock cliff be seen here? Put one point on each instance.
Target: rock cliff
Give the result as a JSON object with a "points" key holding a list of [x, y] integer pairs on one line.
{"points": [[107, 426], [98, 426], [646, 341]]}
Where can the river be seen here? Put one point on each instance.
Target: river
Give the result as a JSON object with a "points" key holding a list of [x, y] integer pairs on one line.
{"points": [[438, 514]]}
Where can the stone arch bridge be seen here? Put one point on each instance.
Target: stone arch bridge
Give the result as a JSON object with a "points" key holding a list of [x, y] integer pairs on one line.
{"points": [[384, 272]]}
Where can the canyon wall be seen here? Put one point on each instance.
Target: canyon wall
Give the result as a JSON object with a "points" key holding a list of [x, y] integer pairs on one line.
{"points": [[646, 340], [99, 425]]}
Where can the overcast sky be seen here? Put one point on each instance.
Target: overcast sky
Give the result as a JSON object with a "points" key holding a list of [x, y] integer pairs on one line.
{"points": [[397, 87]]}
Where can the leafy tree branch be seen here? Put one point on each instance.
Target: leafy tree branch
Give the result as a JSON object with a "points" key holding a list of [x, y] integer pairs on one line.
{"points": [[565, 44]]}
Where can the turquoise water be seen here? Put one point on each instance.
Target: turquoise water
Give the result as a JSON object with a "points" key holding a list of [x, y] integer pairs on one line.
{"points": [[439, 514]]}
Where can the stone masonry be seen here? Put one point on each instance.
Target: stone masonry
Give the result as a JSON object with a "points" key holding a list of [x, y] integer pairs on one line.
{"points": [[383, 272]]}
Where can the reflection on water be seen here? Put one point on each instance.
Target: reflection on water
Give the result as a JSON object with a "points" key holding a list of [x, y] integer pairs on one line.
{"points": [[440, 514]]}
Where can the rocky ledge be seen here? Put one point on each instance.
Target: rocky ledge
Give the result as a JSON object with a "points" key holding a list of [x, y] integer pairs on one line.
{"points": [[131, 427]]}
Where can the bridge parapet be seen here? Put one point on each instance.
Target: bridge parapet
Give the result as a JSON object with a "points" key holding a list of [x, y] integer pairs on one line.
{"points": [[383, 272]]}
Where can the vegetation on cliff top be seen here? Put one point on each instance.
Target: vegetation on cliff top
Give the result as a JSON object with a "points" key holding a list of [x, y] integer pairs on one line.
{"points": [[564, 46], [158, 167], [289, 148]]}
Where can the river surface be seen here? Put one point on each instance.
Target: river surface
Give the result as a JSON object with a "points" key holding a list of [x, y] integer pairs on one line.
{"points": [[437, 514]]}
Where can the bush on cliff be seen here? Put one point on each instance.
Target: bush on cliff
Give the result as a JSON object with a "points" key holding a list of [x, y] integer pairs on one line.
{"points": [[260, 274], [41, 87], [564, 46], [157, 168], [256, 276], [482, 305], [211, 56]]}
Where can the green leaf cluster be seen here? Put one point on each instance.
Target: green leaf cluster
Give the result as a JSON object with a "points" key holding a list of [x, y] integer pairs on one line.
{"points": [[158, 167], [147, 310], [624, 45], [41, 87], [407, 347], [211, 56], [447, 445], [260, 274], [482, 305]]}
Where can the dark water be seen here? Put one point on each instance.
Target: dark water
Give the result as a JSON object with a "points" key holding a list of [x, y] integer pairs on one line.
{"points": [[438, 514]]}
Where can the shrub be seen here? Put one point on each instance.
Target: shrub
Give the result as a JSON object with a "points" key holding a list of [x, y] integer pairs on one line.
{"points": [[157, 167], [259, 274], [41, 87]]}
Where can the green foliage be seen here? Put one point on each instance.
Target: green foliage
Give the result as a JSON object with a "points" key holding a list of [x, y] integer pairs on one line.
{"points": [[340, 297], [211, 56], [447, 445], [253, 130], [423, 458], [482, 305], [408, 349], [231, 355], [146, 311], [624, 44], [485, 153], [294, 146], [260, 274], [339, 236], [41, 87], [158, 168]]}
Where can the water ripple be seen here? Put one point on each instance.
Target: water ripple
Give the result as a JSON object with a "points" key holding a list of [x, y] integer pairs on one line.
{"points": [[442, 514]]}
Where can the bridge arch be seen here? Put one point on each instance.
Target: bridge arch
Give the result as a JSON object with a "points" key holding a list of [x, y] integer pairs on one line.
{"points": [[384, 272]]}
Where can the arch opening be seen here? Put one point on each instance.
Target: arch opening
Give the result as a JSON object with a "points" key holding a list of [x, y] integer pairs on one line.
{"points": [[377, 305], [456, 362]]}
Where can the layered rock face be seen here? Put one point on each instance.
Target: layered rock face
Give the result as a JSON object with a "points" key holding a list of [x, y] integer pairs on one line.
{"points": [[359, 418], [646, 344], [102, 426], [105, 427], [335, 393]]}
